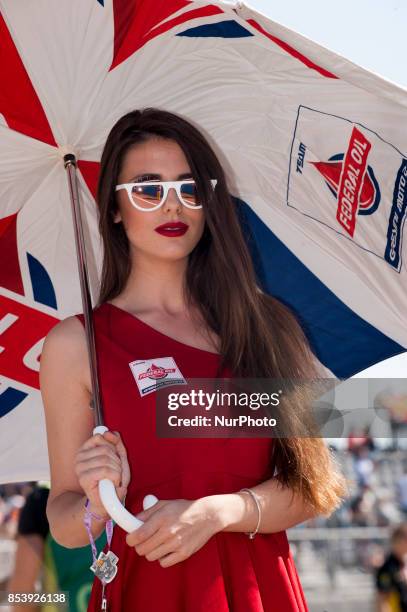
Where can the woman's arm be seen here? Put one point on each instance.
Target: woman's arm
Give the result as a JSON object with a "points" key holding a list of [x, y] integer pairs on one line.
{"points": [[281, 508], [69, 423], [175, 529], [65, 515]]}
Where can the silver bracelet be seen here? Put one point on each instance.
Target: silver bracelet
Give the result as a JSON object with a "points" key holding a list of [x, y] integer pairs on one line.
{"points": [[254, 496]]}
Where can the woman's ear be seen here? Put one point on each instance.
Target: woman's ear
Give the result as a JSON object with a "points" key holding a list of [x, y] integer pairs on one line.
{"points": [[117, 217]]}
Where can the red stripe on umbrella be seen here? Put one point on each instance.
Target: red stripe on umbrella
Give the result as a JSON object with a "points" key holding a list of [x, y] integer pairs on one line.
{"points": [[28, 118], [135, 23], [10, 275], [302, 58]]}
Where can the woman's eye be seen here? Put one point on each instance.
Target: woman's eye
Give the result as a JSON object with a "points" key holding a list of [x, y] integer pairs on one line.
{"points": [[146, 177]]}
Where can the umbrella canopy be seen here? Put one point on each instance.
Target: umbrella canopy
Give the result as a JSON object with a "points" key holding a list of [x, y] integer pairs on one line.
{"points": [[313, 146]]}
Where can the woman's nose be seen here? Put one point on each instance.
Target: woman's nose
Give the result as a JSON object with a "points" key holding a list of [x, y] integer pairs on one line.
{"points": [[172, 199]]}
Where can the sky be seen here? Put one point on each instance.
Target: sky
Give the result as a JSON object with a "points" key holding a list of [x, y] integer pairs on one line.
{"points": [[371, 33]]}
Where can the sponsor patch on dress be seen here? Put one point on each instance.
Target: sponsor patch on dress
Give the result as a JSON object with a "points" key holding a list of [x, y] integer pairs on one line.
{"points": [[153, 374]]}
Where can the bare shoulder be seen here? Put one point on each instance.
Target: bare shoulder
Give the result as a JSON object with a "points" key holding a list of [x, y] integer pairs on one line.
{"points": [[65, 344], [68, 331]]}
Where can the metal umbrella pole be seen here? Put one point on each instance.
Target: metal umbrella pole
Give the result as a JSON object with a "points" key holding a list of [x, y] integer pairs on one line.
{"points": [[70, 166], [107, 490]]}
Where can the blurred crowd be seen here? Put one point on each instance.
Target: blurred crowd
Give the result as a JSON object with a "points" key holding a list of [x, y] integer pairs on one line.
{"points": [[378, 484]]}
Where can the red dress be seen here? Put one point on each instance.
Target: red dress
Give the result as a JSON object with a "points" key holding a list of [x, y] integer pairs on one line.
{"points": [[230, 572]]}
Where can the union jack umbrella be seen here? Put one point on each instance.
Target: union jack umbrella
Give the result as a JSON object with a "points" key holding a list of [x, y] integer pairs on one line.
{"points": [[314, 148]]}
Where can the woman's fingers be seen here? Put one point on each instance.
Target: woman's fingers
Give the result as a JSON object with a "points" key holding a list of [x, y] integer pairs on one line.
{"points": [[157, 549], [171, 559], [102, 456], [98, 440], [120, 448], [93, 475], [99, 460], [144, 533], [98, 447]]}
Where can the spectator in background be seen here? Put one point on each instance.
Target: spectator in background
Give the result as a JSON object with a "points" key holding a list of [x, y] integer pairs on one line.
{"points": [[39, 556], [356, 440], [362, 508], [391, 577], [370, 443], [386, 510], [364, 467]]}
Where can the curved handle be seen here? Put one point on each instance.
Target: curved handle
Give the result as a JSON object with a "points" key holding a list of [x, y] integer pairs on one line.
{"points": [[112, 503]]}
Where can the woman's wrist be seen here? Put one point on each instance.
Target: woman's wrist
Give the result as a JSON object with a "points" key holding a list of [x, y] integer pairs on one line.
{"points": [[232, 512], [97, 512]]}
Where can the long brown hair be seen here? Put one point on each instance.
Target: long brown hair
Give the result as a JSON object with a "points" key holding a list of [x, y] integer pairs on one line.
{"points": [[260, 336]]}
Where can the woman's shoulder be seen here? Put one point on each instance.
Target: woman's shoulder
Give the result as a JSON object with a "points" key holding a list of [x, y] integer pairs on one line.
{"points": [[67, 332], [65, 344], [67, 338]]}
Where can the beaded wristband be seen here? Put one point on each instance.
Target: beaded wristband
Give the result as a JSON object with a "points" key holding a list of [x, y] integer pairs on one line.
{"points": [[254, 496]]}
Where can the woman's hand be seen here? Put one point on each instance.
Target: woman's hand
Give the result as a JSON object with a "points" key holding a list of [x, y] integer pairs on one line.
{"points": [[102, 456], [174, 529]]}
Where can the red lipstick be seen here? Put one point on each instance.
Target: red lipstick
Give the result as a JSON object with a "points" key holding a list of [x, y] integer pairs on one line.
{"points": [[174, 228]]}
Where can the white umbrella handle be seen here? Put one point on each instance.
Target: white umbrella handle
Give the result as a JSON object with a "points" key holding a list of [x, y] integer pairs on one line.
{"points": [[113, 505]]}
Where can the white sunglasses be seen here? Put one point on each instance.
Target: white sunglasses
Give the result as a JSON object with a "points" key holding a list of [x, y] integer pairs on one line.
{"points": [[151, 195]]}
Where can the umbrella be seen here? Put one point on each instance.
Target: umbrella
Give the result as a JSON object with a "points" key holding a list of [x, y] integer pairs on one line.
{"points": [[314, 152]]}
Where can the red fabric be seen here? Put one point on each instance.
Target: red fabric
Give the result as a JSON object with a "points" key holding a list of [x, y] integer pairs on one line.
{"points": [[90, 171], [19, 102], [10, 275], [230, 572], [19, 344], [138, 21]]}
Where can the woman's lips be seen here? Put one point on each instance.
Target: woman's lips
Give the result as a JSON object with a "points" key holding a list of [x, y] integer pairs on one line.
{"points": [[172, 229]]}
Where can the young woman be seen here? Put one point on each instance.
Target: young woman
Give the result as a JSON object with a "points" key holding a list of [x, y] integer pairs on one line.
{"points": [[187, 296]]}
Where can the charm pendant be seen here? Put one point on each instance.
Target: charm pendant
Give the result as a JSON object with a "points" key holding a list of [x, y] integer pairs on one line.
{"points": [[105, 567]]}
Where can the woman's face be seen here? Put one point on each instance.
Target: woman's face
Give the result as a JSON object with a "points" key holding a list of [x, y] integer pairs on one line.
{"points": [[165, 159]]}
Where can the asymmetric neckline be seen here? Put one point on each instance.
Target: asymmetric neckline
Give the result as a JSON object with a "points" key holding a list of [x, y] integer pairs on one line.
{"points": [[132, 316]]}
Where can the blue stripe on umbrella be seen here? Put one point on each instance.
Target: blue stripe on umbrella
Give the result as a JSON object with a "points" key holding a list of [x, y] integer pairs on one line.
{"points": [[43, 289], [9, 399], [222, 29], [341, 340]]}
